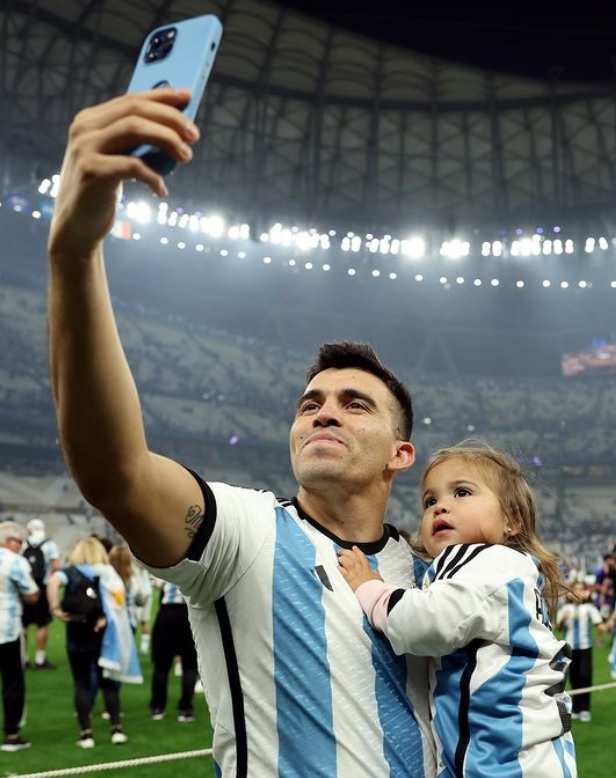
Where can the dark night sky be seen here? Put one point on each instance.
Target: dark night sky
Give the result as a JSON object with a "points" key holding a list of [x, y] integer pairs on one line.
{"points": [[576, 42]]}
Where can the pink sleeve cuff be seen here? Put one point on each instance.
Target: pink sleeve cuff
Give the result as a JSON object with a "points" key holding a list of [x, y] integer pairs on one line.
{"points": [[373, 597]]}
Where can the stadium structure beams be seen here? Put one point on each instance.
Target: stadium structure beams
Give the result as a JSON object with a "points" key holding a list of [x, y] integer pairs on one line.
{"points": [[308, 122]]}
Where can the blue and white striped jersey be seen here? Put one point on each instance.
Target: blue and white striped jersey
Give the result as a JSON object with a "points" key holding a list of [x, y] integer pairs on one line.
{"points": [[498, 675], [171, 594], [297, 682], [578, 620], [15, 580]]}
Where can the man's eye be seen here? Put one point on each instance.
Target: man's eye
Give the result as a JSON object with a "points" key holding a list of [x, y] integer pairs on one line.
{"points": [[356, 405], [308, 406]]}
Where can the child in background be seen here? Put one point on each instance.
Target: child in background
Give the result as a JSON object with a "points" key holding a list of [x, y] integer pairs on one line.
{"points": [[577, 617], [498, 673]]}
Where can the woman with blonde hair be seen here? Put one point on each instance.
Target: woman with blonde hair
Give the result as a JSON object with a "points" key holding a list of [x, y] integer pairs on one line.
{"points": [[89, 575]]}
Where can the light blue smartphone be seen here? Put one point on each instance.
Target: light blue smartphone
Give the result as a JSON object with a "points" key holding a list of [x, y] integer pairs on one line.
{"points": [[179, 55]]}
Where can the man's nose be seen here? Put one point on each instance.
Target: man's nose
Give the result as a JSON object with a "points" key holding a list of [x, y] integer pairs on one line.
{"points": [[328, 416]]}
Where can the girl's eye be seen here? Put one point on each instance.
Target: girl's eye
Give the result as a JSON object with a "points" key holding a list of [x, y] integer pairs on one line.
{"points": [[462, 492], [429, 501]]}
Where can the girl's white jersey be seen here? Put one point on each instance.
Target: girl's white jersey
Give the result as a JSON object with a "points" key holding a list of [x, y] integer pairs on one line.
{"points": [[498, 677], [297, 682]]}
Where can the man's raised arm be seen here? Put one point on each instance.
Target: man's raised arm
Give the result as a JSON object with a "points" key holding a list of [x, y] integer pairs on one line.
{"points": [[152, 501]]}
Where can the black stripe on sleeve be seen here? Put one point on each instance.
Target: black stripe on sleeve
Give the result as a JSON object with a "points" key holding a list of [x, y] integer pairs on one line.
{"points": [[235, 686], [204, 533], [394, 599]]}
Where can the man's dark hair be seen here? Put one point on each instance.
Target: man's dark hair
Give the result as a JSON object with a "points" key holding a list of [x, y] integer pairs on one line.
{"points": [[362, 356]]}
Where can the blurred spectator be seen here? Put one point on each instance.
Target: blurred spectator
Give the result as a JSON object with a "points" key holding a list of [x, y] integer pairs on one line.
{"points": [[604, 585], [102, 645], [16, 584], [140, 604], [577, 617], [43, 555], [172, 636]]}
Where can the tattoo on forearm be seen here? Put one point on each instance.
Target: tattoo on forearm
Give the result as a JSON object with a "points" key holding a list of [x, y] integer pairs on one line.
{"points": [[193, 520]]}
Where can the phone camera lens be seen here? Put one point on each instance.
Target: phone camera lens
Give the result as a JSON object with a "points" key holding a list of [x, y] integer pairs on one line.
{"points": [[160, 45]]}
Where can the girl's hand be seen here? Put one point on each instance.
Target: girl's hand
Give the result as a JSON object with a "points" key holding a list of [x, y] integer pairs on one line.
{"points": [[355, 567]]}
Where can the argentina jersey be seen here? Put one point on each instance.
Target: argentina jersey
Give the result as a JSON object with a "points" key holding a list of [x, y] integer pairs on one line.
{"points": [[297, 682], [497, 680]]}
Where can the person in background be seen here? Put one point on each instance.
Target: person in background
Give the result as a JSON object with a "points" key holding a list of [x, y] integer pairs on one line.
{"points": [[17, 586], [609, 626], [120, 558], [172, 637], [577, 617], [604, 586], [44, 558], [292, 690], [87, 640], [140, 604], [498, 673]]}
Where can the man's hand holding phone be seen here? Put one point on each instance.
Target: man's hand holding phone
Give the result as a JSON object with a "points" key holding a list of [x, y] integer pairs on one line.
{"points": [[95, 163]]}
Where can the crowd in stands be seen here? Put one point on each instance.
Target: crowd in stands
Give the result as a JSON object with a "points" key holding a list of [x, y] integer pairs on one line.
{"points": [[216, 398]]}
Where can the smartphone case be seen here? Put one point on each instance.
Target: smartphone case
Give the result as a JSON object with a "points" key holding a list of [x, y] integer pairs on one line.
{"points": [[187, 65]]}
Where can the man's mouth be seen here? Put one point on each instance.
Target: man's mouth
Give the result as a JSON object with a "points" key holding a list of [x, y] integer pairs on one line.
{"points": [[322, 437]]}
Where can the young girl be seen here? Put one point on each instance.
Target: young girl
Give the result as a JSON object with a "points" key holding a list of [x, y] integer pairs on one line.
{"points": [[498, 673]]}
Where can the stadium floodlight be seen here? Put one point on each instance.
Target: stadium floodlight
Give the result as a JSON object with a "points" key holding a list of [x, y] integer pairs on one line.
{"points": [[413, 247], [140, 211], [455, 249]]}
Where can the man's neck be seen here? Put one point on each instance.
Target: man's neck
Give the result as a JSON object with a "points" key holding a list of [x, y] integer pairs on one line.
{"points": [[350, 517]]}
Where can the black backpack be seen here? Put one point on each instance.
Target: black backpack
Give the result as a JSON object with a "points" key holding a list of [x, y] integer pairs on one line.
{"points": [[36, 557], [82, 597]]}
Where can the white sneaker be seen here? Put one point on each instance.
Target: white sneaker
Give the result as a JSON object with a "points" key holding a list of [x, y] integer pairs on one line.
{"points": [[118, 737], [585, 715], [85, 741]]}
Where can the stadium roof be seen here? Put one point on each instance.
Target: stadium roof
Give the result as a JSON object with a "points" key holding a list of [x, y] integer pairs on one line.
{"points": [[322, 114]]}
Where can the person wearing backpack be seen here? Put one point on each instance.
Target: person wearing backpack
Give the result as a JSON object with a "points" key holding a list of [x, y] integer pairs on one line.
{"points": [[92, 606], [44, 558]]}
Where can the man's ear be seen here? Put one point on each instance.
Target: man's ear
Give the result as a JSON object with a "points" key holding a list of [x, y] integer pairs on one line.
{"points": [[404, 456]]}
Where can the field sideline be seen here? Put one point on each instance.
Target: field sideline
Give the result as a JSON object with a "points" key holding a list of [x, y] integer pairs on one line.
{"points": [[52, 728]]}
